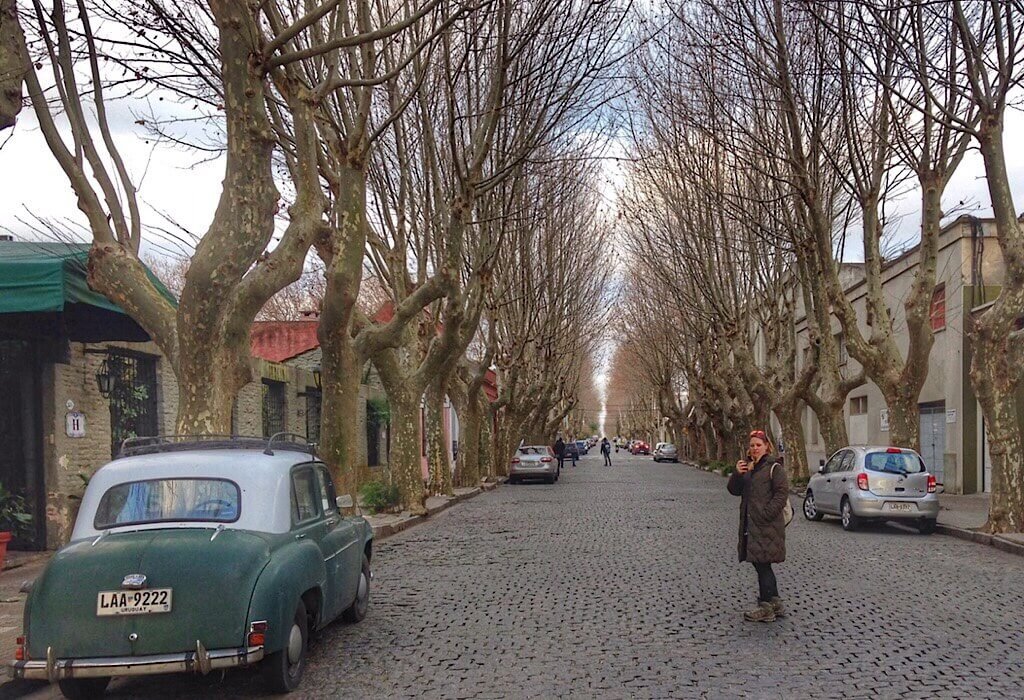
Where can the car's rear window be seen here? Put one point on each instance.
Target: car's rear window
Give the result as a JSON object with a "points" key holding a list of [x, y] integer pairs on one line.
{"points": [[902, 463], [168, 500], [533, 450]]}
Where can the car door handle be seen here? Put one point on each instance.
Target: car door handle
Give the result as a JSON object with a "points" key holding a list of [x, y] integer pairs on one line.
{"points": [[844, 481], [331, 522], [300, 537]]}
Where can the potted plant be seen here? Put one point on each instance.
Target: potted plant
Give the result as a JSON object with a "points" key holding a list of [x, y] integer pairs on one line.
{"points": [[14, 519]]}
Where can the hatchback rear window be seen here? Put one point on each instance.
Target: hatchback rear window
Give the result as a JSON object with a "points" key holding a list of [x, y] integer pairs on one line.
{"points": [[168, 500], [902, 463]]}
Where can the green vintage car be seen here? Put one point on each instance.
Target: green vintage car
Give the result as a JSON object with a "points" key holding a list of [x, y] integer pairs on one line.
{"points": [[192, 555]]}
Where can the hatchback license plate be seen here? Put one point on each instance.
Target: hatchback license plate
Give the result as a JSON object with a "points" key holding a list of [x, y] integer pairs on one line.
{"points": [[902, 507], [142, 602]]}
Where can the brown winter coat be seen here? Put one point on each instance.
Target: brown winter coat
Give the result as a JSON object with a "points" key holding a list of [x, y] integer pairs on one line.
{"points": [[762, 526]]}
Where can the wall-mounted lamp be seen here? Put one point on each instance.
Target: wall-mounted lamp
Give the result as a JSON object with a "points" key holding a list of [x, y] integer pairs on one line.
{"points": [[104, 380]]}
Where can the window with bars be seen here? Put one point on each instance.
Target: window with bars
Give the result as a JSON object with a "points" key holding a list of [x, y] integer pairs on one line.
{"points": [[132, 397], [938, 308], [274, 407], [314, 404]]}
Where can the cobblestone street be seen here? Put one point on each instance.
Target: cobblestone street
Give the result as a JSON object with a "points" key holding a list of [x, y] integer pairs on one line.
{"points": [[623, 582]]}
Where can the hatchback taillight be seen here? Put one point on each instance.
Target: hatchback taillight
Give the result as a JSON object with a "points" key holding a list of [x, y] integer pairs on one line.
{"points": [[862, 481], [545, 459], [932, 483], [515, 460], [19, 650]]}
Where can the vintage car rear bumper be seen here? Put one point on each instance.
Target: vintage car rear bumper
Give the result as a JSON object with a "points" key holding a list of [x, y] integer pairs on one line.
{"points": [[199, 661]]}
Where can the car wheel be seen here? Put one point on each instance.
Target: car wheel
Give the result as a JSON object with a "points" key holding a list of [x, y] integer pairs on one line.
{"points": [[357, 611], [283, 669], [926, 526], [850, 521], [549, 479], [810, 509], [512, 481], [84, 688]]}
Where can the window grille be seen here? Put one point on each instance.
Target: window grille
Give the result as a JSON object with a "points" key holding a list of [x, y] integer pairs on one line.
{"points": [[132, 397], [274, 407]]}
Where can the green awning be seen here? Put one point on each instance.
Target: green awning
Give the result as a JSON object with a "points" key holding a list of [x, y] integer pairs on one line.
{"points": [[45, 276]]}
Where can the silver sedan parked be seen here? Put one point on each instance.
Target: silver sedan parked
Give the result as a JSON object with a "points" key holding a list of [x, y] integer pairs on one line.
{"points": [[534, 462], [874, 483], [666, 451]]}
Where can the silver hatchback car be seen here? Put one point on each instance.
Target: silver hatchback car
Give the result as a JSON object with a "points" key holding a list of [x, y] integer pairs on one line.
{"points": [[874, 483]]}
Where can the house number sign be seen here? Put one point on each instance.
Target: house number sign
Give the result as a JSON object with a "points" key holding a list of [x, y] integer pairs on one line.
{"points": [[74, 424]]}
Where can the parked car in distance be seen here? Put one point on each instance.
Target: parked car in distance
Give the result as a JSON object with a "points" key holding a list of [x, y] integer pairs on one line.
{"points": [[534, 462], [582, 447], [640, 447], [861, 484], [666, 451], [192, 555], [571, 451]]}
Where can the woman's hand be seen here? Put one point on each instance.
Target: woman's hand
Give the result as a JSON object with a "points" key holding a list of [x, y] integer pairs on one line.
{"points": [[742, 467]]}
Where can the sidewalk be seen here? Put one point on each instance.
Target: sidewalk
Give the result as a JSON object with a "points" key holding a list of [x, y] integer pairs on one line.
{"points": [[21, 567], [962, 516]]}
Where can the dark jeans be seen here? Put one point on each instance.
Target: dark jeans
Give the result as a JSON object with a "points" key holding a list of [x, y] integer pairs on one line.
{"points": [[561, 460], [607, 459], [768, 588]]}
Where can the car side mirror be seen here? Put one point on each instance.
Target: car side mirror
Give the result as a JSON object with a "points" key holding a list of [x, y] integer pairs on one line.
{"points": [[344, 501], [821, 462], [821, 469]]}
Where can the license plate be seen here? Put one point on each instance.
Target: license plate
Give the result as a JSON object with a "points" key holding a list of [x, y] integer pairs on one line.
{"points": [[901, 507], [142, 602]]}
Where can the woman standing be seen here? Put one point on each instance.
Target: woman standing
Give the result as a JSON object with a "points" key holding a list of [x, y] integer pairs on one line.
{"points": [[763, 487], [606, 450]]}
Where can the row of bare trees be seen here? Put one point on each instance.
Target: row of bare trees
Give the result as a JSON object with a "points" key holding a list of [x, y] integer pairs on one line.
{"points": [[770, 136], [435, 147]]}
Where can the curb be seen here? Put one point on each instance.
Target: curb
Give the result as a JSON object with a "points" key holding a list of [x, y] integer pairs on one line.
{"points": [[996, 541], [384, 531]]}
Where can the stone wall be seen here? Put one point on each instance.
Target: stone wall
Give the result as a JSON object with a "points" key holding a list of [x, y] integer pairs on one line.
{"points": [[70, 461]]}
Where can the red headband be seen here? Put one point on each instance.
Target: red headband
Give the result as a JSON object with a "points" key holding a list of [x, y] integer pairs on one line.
{"points": [[759, 434]]}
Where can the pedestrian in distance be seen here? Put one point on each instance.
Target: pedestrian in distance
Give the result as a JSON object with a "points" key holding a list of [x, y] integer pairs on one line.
{"points": [[574, 452], [763, 487], [560, 451], [606, 450]]}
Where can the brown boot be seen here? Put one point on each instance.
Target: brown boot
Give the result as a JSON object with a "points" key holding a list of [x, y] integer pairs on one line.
{"points": [[764, 612], [778, 607]]}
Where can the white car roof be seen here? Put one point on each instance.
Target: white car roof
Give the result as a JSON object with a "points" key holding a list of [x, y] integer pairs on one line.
{"points": [[263, 480]]}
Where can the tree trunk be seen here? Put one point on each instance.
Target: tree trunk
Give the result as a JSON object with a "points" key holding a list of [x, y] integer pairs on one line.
{"points": [[13, 63], [793, 435], [998, 356], [405, 457], [486, 454], [207, 386], [440, 482], [833, 429], [904, 417], [341, 372], [470, 459]]}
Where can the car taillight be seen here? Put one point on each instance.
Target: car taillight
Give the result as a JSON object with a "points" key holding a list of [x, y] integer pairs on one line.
{"points": [[894, 451], [545, 459], [862, 481], [515, 460], [258, 633], [932, 483], [19, 650]]}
